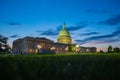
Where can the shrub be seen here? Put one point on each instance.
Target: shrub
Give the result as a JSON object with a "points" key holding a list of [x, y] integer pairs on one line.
{"points": [[60, 67]]}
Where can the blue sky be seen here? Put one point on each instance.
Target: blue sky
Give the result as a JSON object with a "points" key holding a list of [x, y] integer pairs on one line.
{"points": [[91, 22]]}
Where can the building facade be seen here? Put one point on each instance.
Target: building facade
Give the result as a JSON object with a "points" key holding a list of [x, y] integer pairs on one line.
{"points": [[31, 45], [87, 49], [60, 48]]}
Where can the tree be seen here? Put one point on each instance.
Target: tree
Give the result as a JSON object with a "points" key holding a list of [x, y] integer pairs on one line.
{"points": [[70, 48], [116, 49], [3, 44], [3, 40], [110, 48], [101, 51]]}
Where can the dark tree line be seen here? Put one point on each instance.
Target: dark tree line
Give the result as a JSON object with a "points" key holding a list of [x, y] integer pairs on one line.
{"points": [[4, 47], [111, 49]]}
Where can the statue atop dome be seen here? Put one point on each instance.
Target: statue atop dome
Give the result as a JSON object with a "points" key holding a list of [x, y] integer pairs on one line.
{"points": [[64, 26]]}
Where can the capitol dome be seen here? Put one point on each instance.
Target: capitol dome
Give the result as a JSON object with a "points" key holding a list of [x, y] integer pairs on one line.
{"points": [[64, 36]]}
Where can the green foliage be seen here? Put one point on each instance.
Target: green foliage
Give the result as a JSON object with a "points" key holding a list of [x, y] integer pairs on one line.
{"points": [[71, 47], [110, 49], [3, 40], [101, 51], [60, 67], [3, 43], [116, 49]]}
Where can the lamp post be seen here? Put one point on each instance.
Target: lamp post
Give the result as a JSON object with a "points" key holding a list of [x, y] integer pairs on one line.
{"points": [[77, 48], [52, 48], [39, 47], [66, 49]]}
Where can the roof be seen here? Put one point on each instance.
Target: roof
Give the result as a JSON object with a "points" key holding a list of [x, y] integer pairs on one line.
{"points": [[64, 33]]}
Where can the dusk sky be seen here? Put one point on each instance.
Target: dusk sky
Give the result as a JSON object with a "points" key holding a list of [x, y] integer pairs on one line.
{"points": [[92, 23]]}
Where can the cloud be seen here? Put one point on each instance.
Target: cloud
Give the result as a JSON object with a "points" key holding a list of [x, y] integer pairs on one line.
{"points": [[30, 34], [39, 31], [49, 33], [15, 36], [115, 20], [59, 27], [72, 28], [89, 34], [97, 38], [105, 41], [102, 41], [97, 11], [14, 23]]}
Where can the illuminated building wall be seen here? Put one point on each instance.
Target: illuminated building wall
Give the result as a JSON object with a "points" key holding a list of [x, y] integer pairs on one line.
{"points": [[30, 45]]}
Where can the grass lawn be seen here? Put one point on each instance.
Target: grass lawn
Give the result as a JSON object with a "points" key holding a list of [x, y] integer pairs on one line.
{"points": [[84, 66]]}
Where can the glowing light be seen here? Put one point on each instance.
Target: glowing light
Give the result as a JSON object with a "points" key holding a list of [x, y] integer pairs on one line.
{"points": [[3, 47], [66, 48], [77, 46], [30, 50], [52, 48], [39, 46]]}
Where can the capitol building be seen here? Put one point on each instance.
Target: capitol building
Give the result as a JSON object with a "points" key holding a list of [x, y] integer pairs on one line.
{"points": [[64, 36], [36, 45]]}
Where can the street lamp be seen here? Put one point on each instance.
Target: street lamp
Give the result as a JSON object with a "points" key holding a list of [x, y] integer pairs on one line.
{"points": [[66, 48], [52, 48], [39, 47], [77, 48]]}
